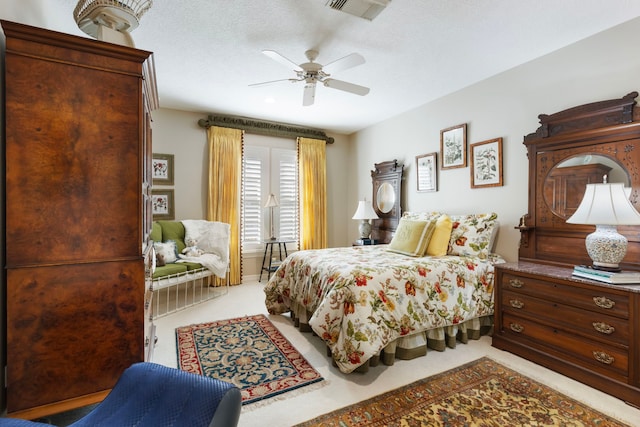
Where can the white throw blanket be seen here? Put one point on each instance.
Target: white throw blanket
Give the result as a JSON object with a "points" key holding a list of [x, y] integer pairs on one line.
{"points": [[213, 238]]}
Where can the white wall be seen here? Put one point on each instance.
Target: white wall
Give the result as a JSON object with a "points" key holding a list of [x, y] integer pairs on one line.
{"points": [[604, 66]]}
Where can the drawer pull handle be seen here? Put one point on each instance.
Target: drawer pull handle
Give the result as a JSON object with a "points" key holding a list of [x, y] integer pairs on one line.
{"points": [[603, 357], [516, 283], [603, 328], [516, 303], [604, 302], [516, 327]]}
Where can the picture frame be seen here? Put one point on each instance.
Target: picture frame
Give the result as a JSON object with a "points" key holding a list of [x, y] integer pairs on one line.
{"points": [[162, 204], [453, 147], [486, 163], [427, 172], [162, 169]]}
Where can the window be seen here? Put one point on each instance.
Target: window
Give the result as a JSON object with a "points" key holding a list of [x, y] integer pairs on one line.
{"points": [[269, 165]]}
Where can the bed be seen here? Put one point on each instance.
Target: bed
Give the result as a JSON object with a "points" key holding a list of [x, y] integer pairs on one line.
{"points": [[375, 303]]}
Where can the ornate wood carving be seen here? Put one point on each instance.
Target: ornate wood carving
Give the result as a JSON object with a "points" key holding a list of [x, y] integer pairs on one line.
{"points": [[386, 174], [263, 128], [608, 128]]}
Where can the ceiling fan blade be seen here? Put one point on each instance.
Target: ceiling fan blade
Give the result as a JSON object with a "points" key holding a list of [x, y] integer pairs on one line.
{"points": [[344, 63], [281, 59], [346, 86], [274, 81], [309, 94]]}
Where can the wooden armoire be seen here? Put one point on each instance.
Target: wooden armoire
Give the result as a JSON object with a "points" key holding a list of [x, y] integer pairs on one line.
{"points": [[77, 216]]}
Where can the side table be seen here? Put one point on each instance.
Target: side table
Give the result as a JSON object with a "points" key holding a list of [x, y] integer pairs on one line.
{"points": [[271, 263]]}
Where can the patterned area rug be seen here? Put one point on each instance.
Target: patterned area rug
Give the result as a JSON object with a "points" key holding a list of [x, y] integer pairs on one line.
{"points": [[480, 393], [249, 352]]}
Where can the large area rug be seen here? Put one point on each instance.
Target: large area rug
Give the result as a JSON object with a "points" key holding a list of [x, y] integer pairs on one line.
{"points": [[480, 393], [249, 352]]}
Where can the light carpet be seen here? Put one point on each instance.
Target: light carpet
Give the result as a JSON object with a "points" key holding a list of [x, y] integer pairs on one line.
{"points": [[480, 393], [247, 351]]}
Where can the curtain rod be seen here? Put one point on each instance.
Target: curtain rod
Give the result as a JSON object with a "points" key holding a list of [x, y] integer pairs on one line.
{"points": [[263, 128]]}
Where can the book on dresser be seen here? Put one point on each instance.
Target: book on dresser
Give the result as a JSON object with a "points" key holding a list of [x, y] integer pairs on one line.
{"points": [[614, 278]]}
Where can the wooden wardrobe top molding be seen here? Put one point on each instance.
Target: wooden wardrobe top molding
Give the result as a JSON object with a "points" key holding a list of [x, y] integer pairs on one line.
{"points": [[610, 129]]}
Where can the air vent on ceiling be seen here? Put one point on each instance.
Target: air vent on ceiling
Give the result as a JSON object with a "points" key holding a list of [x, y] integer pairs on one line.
{"points": [[367, 9]]}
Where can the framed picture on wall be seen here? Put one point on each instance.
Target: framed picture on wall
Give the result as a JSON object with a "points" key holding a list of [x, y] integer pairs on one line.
{"points": [[453, 147], [162, 169], [427, 167], [162, 204], [486, 163]]}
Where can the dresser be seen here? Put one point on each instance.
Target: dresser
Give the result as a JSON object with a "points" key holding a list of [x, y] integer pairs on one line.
{"points": [[78, 217], [584, 329]]}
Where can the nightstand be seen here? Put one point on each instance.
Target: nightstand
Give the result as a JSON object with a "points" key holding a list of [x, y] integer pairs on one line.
{"points": [[271, 263]]}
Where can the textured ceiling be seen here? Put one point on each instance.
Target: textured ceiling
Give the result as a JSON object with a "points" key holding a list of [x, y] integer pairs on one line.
{"points": [[207, 52]]}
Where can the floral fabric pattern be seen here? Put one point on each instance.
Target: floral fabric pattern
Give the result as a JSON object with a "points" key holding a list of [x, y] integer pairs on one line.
{"points": [[362, 298], [472, 235]]}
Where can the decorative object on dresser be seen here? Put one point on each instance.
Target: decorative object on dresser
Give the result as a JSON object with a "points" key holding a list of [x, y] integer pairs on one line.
{"points": [[109, 20], [606, 206], [622, 277], [387, 192], [78, 217], [364, 213], [581, 327], [427, 172], [453, 147]]}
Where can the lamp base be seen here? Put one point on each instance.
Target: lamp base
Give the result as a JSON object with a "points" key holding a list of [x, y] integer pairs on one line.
{"points": [[606, 247], [365, 229]]}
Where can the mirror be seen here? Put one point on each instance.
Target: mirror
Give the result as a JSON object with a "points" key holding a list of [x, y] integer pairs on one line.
{"points": [[566, 182], [386, 197]]}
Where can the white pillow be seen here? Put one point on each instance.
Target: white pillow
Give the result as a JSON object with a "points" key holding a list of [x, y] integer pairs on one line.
{"points": [[167, 249]]}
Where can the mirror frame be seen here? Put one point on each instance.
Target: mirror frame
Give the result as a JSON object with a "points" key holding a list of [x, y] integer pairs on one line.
{"points": [[610, 128], [390, 172]]}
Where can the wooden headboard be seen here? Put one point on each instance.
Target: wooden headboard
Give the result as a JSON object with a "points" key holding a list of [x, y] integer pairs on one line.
{"points": [[589, 140], [386, 178]]}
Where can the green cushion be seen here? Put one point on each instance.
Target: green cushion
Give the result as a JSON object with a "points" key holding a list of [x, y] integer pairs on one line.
{"points": [[412, 237], [165, 270], [156, 232], [173, 230], [192, 265]]}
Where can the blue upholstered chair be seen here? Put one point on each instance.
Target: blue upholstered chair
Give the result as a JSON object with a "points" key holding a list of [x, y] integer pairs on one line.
{"points": [[152, 395]]}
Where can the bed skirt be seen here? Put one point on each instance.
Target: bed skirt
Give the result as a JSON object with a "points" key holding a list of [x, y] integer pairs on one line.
{"points": [[414, 345]]}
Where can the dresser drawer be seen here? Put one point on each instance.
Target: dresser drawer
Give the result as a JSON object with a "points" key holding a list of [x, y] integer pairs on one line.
{"points": [[591, 324], [609, 360], [596, 298]]}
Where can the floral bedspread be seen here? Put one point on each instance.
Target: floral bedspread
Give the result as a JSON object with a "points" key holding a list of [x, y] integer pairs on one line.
{"points": [[364, 297]]}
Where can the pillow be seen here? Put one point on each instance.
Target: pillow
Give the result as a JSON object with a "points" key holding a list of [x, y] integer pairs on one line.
{"points": [[421, 216], [471, 235], [173, 230], [156, 232], [439, 243], [167, 249], [412, 237]]}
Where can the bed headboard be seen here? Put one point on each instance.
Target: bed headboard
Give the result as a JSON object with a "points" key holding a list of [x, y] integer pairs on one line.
{"points": [[387, 190], [570, 149]]}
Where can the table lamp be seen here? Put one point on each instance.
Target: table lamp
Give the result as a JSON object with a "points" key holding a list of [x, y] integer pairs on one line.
{"points": [[606, 206], [364, 212], [272, 202]]}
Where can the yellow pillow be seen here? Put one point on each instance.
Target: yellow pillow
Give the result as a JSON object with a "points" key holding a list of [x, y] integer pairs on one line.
{"points": [[439, 243], [412, 237]]}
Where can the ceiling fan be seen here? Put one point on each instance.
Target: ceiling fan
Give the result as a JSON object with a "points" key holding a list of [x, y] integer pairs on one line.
{"points": [[311, 73]]}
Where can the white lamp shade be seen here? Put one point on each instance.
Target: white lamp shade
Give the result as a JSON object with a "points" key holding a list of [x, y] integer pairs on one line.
{"points": [[605, 204], [365, 211], [272, 201]]}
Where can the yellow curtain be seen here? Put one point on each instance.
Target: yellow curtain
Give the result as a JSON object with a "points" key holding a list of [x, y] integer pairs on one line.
{"points": [[224, 195], [312, 176]]}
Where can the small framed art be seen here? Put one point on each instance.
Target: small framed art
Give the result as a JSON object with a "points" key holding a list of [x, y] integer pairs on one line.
{"points": [[453, 147], [162, 204], [427, 167], [162, 169], [486, 163]]}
